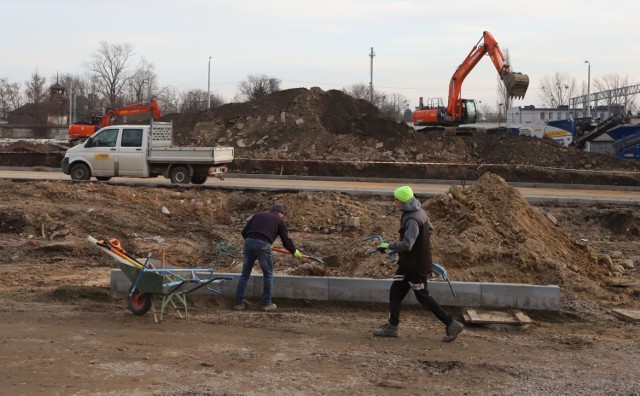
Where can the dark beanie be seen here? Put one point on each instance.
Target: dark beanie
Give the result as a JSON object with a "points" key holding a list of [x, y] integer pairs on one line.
{"points": [[278, 208]]}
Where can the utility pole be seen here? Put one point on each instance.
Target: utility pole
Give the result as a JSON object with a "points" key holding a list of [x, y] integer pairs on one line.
{"points": [[209, 86], [372, 54], [71, 104], [588, 88]]}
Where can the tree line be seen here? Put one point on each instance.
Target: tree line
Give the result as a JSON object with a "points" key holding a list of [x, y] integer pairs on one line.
{"points": [[113, 79]]}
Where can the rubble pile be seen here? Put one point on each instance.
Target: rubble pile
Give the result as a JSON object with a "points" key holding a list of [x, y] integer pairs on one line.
{"points": [[304, 124]]}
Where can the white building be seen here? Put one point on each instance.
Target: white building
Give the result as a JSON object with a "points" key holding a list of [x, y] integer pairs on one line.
{"points": [[530, 115]]}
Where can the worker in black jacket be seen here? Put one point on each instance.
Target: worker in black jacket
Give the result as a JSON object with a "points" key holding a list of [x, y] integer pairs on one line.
{"points": [[259, 233], [414, 264]]}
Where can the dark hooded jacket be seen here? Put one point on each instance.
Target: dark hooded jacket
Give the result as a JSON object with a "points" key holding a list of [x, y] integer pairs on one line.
{"points": [[414, 246]]}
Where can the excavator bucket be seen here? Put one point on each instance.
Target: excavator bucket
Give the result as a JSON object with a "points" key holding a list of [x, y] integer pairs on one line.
{"points": [[516, 84]]}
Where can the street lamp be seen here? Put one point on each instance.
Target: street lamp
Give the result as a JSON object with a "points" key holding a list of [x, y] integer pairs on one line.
{"points": [[209, 86], [588, 88]]}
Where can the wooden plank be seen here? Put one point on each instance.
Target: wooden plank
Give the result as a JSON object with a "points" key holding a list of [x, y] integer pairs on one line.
{"points": [[497, 317], [473, 316], [632, 315], [522, 317]]}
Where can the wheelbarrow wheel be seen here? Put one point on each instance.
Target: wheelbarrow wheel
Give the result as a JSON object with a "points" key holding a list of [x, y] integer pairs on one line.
{"points": [[139, 303]]}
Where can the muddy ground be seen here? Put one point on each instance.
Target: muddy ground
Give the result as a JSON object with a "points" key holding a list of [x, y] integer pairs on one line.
{"points": [[63, 332]]}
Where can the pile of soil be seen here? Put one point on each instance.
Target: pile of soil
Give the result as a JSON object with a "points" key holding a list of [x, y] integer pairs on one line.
{"points": [[312, 124]]}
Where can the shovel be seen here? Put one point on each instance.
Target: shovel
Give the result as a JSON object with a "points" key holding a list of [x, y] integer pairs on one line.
{"points": [[285, 251]]}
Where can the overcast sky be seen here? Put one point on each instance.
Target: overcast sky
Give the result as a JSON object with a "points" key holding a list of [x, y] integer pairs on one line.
{"points": [[418, 44]]}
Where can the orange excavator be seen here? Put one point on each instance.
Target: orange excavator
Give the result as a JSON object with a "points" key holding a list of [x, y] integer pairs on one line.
{"points": [[81, 131], [464, 111]]}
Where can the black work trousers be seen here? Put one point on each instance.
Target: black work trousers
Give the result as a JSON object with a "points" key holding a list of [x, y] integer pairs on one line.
{"points": [[405, 280]]}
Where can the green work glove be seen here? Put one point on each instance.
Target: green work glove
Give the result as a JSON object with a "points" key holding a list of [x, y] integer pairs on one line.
{"points": [[383, 247], [297, 254]]}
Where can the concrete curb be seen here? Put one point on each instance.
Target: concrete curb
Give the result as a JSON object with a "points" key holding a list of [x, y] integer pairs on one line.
{"points": [[468, 294]]}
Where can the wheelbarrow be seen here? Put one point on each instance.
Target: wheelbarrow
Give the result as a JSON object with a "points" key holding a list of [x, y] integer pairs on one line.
{"points": [[171, 284], [438, 270]]}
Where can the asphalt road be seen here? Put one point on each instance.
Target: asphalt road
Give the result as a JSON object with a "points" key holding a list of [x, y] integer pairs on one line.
{"points": [[535, 194]]}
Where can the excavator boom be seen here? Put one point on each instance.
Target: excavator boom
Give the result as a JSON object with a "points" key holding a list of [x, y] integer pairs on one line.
{"points": [[458, 110], [516, 84]]}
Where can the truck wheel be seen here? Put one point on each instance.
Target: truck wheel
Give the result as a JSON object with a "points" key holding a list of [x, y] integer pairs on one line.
{"points": [[139, 303], [179, 175], [198, 179], [103, 178], [80, 172]]}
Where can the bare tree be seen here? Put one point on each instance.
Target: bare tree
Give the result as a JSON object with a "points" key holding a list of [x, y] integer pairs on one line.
{"points": [[193, 100], [257, 86], [393, 105], [217, 100], [168, 100], [615, 82], [390, 105], [110, 65], [487, 112], [35, 88], [556, 90], [504, 100], [10, 96], [143, 81], [358, 91]]}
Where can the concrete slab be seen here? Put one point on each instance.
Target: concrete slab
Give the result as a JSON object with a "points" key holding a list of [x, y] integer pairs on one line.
{"points": [[511, 295], [358, 289], [296, 287], [468, 294]]}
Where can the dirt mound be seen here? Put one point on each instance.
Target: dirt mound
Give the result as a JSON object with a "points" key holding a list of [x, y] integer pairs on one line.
{"points": [[311, 124], [489, 232], [295, 123]]}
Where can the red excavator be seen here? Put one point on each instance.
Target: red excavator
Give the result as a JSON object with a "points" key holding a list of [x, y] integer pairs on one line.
{"points": [[463, 111], [81, 131]]}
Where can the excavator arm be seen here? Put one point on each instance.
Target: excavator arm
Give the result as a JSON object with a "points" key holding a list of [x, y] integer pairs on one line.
{"points": [[135, 108], [516, 83], [463, 111]]}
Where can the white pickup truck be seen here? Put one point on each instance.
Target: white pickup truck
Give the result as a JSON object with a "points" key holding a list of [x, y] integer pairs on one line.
{"points": [[143, 151]]}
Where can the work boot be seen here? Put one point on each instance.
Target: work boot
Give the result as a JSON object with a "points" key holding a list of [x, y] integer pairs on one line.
{"points": [[269, 307], [239, 307], [387, 330], [453, 329]]}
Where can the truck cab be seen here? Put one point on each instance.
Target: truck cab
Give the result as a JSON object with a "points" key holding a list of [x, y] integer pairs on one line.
{"points": [[112, 151]]}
